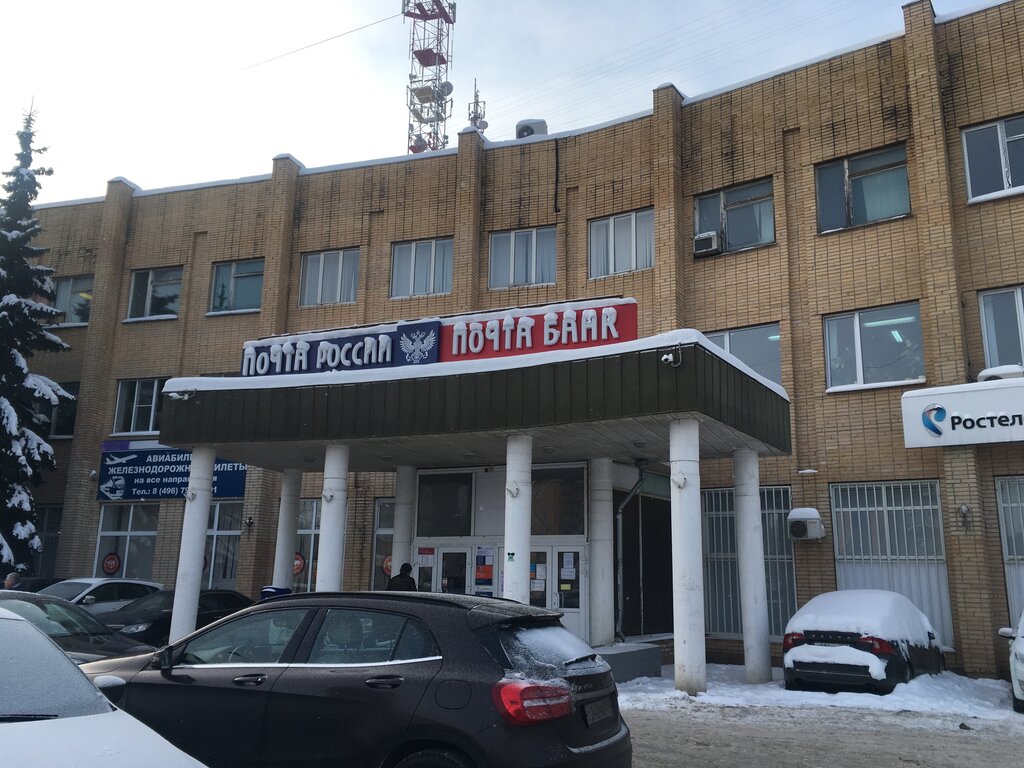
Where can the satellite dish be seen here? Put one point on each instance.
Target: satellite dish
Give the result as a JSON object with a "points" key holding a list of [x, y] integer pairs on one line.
{"points": [[446, 89], [482, 125]]}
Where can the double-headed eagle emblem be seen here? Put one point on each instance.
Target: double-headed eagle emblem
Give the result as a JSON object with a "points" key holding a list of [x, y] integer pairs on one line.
{"points": [[417, 345]]}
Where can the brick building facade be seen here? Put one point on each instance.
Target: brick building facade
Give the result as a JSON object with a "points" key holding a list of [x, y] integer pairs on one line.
{"points": [[909, 243]]}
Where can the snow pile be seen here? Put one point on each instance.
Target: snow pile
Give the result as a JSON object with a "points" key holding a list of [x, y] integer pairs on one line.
{"points": [[873, 612], [840, 654], [945, 694]]}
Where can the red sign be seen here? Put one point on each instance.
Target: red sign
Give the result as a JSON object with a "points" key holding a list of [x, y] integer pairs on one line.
{"points": [[111, 563], [545, 329], [299, 565], [386, 565]]}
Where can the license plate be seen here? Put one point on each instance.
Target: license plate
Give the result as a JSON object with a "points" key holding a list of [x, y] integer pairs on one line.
{"points": [[598, 710]]}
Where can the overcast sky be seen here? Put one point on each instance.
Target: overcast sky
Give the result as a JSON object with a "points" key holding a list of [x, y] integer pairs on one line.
{"points": [[166, 94]]}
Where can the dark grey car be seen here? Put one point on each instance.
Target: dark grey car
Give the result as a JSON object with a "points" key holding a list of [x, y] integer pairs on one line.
{"points": [[381, 679]]}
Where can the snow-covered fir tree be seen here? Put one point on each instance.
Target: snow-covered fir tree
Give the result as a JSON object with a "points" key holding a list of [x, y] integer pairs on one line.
{"points": [[26, 399]]}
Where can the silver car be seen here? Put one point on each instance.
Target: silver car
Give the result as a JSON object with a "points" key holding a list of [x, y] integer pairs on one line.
{"points": [[99, 595]]}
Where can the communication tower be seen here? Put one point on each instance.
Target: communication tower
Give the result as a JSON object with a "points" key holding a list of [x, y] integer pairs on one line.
{"points": [[430, 53], [477, 109]]}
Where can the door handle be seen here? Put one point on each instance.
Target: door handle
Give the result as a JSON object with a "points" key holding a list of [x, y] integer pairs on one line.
{"points": [[256, 679], [392, 681]]}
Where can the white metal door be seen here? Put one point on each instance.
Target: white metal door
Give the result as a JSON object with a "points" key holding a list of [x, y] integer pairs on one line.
{"points": [[1010, 500]]}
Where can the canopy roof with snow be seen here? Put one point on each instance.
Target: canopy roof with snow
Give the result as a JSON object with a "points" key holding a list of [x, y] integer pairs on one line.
{"points": [[603, 394]]}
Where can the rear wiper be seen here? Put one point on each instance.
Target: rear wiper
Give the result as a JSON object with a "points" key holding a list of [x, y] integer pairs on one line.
{"points": [[584, 657], [25, 718]]}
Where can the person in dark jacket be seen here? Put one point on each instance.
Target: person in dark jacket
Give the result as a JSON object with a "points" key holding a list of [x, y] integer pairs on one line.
{"points": [[403, 582]]}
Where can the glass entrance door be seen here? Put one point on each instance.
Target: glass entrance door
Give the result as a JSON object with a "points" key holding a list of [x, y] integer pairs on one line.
{"points": [[556, 582], [453, 575]]}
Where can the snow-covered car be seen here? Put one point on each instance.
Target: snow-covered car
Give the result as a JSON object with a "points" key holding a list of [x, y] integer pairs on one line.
{"points": [[97, 595], [859, 637], [51, 714], [1016, 638]]}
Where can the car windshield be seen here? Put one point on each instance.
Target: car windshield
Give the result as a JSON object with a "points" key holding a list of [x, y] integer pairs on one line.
{"points": [[56, 619], [39, 681], [66, 590], [154, 602]]}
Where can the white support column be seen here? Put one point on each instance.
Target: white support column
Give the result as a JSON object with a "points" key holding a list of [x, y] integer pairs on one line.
{"points": [[602, 553], [750, 555], [193, 543], [687, 558], [287, 528], [405, 507], [331, 555], [518, 517]]}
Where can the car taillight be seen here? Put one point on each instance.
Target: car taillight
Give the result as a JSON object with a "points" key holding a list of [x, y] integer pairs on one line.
{"points": [[876, 645], [791, 640], [523, 702]]}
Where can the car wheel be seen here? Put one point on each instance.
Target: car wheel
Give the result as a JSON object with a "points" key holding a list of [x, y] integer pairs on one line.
{"points": [[908, 673], [435, 758], [1018, 704]]}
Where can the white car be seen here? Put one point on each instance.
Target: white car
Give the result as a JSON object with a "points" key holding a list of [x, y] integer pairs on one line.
{"points": [[99, 595], [1016, 639], [50, 714]]}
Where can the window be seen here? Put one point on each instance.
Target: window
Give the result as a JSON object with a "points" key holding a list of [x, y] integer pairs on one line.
{"points": [[558, 507], [445, 506], [304, 570], [350, 636], [329, 278], [155, 293], [622, 243], [62, 417], [382, 542], [994, 155], [861, 189], [258, 638], [875, 346], [743, 217], [48, 519], [138, 405], [73, 300], [758, 347], [525, 257], [237, 286], [126, 540], [422, 268], [1002, 325], [224, 529]]}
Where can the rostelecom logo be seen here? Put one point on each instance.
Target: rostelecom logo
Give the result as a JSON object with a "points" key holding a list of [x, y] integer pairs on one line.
{"points": [[931, 416]]}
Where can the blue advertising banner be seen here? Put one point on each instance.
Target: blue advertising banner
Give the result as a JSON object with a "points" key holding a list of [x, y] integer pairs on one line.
{"points": [[356, 350], [161, 473]]}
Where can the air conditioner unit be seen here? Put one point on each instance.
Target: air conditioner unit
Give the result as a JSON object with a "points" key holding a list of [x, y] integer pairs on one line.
{"points": [[707, 244], [805, 523], [1002, 372], [526, 128]]}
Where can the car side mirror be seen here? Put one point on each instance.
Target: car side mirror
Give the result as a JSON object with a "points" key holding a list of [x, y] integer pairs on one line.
{"points": [[166, 657], [89, 600], [1006, 632], [110, 686]]}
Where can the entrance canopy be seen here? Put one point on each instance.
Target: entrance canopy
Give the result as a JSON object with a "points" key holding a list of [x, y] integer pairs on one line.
{"points": [[612, 400]]}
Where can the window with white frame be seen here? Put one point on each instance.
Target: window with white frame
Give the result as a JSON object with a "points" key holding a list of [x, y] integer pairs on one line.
{"points": [[138, 405], [421, 268], [126, 542], [742, 217], [223, 532], [875, 346], [757, 346], [994, 156], [48, 520], [721, 563], [155, 293], [863, 188], [73, 300], [622, 243], [61, 416], [306, 547], [1002, 325], [237, 286], [523, 257], [444, 505], [330, 277], [383, 538]]}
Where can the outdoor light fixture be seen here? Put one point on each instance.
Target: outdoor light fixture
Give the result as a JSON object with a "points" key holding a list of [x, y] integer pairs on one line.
{"points": [[965, 516], [807, 471], [249, 521]]}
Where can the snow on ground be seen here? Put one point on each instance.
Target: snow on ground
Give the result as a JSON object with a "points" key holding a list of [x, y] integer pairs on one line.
{"points": [[945, 694]]}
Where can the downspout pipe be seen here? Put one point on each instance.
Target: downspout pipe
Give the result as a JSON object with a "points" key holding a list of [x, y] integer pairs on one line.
{"points": [[620, 591]]}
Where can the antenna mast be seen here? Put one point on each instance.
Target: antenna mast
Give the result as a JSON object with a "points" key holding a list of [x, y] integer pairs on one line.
{"points": [[429, 92], [477, 110]]}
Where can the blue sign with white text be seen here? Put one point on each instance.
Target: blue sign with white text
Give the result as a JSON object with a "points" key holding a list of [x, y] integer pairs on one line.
{"points": [[161, 473]]}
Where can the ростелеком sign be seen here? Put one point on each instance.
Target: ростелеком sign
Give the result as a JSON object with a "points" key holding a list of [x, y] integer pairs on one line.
{"points": [[964, 414]]}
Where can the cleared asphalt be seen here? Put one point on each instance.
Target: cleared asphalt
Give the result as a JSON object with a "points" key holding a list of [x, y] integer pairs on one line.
{"points": [[760, 737]]}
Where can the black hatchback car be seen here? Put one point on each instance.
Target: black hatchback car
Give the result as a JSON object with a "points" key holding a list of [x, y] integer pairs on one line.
{"points": [[148, 619], [389, 679]]}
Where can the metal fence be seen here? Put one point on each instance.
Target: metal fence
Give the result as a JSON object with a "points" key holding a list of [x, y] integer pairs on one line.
{"points": [[1010, 498]]}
